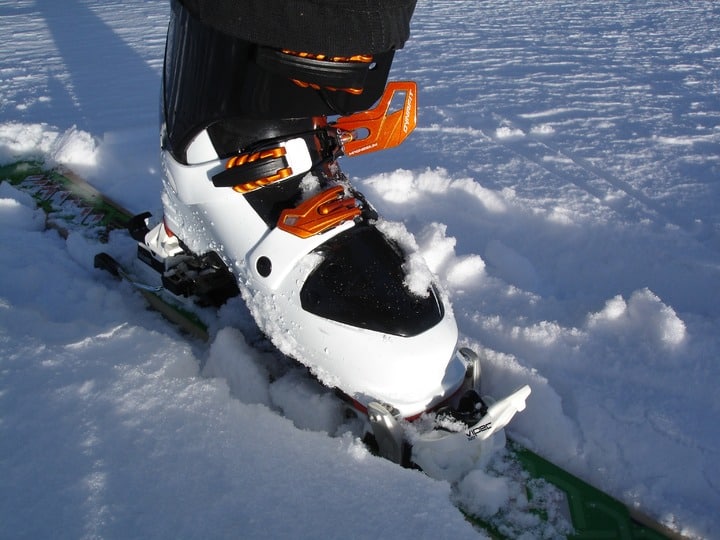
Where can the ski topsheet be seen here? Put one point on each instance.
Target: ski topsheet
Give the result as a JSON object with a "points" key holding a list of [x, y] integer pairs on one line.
{"points": [[72, 204]]}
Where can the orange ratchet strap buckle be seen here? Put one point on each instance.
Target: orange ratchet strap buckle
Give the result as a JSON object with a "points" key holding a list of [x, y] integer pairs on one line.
{"points": [[356, 60], [319, 213], [251, 171]]}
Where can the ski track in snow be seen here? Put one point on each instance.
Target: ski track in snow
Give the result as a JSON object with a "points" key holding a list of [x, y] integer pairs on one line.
{"points": [[562, 183]]}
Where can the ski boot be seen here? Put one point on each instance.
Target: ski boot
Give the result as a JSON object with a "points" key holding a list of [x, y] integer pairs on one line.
{"points": [[254, 202]]}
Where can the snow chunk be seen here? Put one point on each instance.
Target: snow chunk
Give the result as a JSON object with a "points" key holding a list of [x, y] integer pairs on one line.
{"points": [[644, 317], [492, 201], [516, 506], [40, 141], [482, 494], [424, 190], [403, 186], [466, 270], [74, 147], [506, 132], [233, 359], [17, 210], [25, 141], [438, 250], [614, 309], [542, 129], [418, 278], [399, 187], [306, 402]]}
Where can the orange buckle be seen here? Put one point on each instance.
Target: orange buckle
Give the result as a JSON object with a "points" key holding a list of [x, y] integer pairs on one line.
{"points": [[355, 59], [378, 128], [258, 158], [319, 213]]}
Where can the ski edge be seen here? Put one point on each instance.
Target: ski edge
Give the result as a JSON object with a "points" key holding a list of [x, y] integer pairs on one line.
{"points": [[589, 505], [180, 317]]}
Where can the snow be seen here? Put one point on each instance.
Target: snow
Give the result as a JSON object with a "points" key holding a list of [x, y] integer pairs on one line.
{"points": [[562, 184]]}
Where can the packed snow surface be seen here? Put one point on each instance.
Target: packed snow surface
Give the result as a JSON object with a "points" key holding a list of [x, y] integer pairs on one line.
{"points": [[563, 184]]}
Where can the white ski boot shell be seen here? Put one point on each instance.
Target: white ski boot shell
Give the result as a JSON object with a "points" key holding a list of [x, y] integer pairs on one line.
{"points": [[412, 373]]}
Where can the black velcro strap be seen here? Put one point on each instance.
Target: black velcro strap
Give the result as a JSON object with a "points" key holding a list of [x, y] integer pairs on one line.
{"points": [[323, 73]]}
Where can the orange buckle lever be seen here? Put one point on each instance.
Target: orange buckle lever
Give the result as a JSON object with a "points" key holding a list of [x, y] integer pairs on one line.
{"points": [[359, 59], [378, 128], [319, 213], [251, 171]]}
